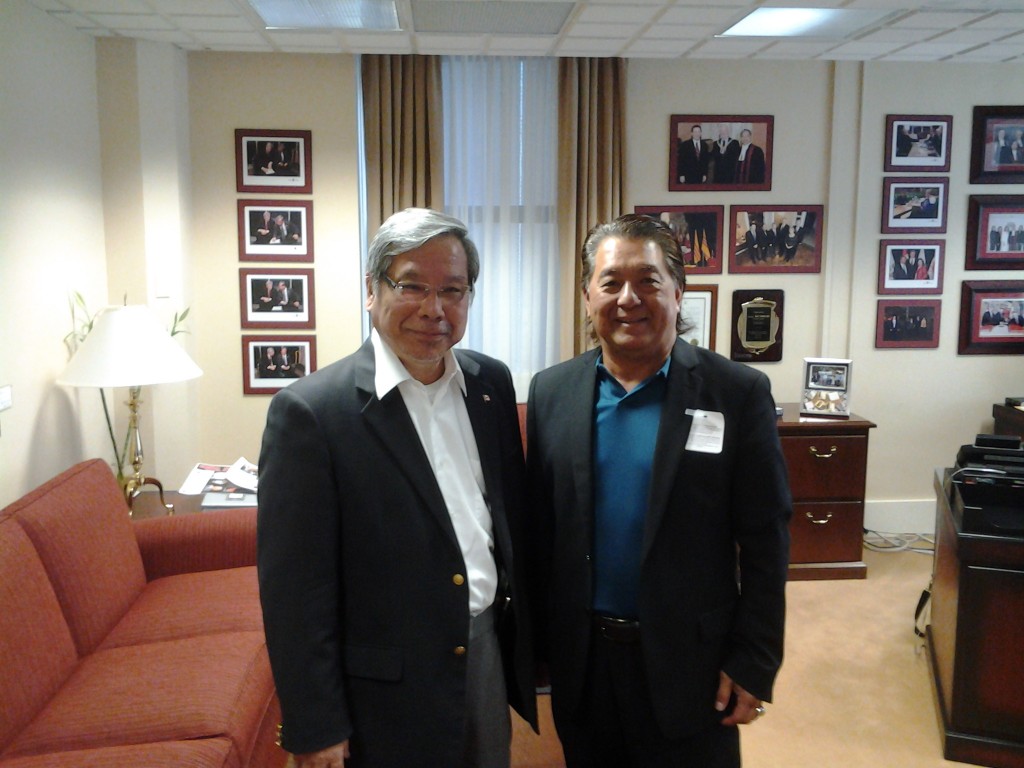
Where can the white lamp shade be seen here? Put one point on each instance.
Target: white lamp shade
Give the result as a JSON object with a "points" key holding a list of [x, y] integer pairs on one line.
{"points": [[128, 347]]}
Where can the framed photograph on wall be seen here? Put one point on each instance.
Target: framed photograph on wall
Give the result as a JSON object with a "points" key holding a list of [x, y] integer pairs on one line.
{"points": [[720, 152], [991, 317], [907, 323], [273, 161], [700, 313], [995, 232], [914, 205], [277, 298], [910, 266], [275, 230], [699, 230], [775, 238], [757, 326], [918, 143], [826, 390], [997, 145], [270, 363]]}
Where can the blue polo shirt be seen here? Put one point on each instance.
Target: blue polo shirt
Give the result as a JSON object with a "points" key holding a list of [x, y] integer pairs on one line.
{"points": [[625, 432]]}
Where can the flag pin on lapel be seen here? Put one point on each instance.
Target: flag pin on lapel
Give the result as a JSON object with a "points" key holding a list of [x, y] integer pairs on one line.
{"points": [[487, 398]]}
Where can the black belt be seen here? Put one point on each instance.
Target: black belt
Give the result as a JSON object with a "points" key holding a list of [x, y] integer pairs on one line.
{"points": [[617, 630]]}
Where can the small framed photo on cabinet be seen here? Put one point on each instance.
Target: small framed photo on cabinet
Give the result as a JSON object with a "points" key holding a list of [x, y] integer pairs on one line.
{"points": [[826, 387]]}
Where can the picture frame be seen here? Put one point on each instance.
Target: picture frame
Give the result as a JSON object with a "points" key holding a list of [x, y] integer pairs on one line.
{"points": [[775, 238], [277, 298], [260, 378], [908, 267], [981, 332], [914, 204], [757, 324], [908, 323], [918, 143], [826, 386], [275, 230], [706, 152], [997, 145], [995, 232], [699, 230], [273, 161], [700, 312]]}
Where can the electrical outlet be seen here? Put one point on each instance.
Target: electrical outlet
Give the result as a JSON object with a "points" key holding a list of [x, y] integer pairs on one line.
{"points": [[5, 397]]}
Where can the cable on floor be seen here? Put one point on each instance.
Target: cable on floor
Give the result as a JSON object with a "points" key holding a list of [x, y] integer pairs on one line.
{"points": [[878, 541]]}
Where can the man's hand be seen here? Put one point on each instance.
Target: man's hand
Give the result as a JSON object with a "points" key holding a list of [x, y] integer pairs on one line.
{"points": [[332, 757], [746, 709]]}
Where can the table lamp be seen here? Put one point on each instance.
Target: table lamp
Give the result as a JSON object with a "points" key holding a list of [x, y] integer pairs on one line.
{"points": [[127, 347]]}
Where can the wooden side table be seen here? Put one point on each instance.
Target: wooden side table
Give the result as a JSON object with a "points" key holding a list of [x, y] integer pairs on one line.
{"points": [[827, 463], [147, 504]]}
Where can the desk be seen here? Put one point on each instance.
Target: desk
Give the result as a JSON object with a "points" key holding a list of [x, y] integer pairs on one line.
{"points": [[974, 638], [147, 504], [1009, 420]]}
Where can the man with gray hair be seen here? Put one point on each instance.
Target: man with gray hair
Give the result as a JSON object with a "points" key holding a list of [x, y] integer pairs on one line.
{"points": [[390, 506]]}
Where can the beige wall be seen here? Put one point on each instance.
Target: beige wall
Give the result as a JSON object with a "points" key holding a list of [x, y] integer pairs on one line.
{"points": [[229, 91], [829, 121]]}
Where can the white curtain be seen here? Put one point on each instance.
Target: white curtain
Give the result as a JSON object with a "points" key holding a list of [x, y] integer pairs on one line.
{"points": [[500, 149]]}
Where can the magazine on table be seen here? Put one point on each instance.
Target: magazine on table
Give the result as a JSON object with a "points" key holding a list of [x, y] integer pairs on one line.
{"points": [[223, 485]]}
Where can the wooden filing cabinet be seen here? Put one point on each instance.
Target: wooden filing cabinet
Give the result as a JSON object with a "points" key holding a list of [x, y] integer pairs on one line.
{"points": [[827, 462]]}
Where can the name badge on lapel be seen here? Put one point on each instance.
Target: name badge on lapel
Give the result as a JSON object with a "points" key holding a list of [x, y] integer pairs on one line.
{"points": [[707, 431]]}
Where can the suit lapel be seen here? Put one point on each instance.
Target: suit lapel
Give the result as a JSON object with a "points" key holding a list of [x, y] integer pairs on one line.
{"points": [[581, 433], [389, 420], [669, 453]]}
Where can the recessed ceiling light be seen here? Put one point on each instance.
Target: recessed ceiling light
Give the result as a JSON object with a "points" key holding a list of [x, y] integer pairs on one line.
{"points": [[327, 14], [804, 22]]}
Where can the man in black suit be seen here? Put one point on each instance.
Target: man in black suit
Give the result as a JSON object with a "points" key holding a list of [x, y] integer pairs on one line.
{"points": [[693, 159], [662, 507], [390, 506], [724, 152], [750, 167]]}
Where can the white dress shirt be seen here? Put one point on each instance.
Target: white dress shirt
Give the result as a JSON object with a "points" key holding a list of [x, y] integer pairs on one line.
{"points": [[439, 414]]}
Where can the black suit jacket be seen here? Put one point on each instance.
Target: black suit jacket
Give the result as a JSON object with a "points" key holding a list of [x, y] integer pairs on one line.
{"points": [[691, 164], [706, 514], [357, 554]]}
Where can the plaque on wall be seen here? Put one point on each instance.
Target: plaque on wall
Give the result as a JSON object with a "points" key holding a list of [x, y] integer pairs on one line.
{"points": [[757, 326]]}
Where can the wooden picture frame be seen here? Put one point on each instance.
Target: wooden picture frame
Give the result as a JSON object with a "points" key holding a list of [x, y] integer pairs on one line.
{"points": [[273, 161], [776, 238], [918, 143], [275, 230], [718, 159], [908, 323], [914, 205], [997, 145], [826, 387], [700, 311], [757, 326], [907, 267], [995, 232], [981, 331], [266, 378], [699, 230], [277, 298]]}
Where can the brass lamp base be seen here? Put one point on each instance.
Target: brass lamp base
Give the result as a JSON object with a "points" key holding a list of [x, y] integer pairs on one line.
{"points": [[134, 484]]}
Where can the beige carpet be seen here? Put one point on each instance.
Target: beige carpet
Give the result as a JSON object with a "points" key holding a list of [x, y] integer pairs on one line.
{"points": [[855, 688]]}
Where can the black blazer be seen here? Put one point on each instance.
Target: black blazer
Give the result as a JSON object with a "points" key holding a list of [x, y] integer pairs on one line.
{"points": [[357, 554], [707, 514]]}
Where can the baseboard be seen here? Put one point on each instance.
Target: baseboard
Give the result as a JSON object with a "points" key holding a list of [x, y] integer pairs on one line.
{"points": [[900, 516]]}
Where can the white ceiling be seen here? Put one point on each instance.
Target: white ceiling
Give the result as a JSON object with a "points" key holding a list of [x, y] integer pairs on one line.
{"points": [[937, 30]]}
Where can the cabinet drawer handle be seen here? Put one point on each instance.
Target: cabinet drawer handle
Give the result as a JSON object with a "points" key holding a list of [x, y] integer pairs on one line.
{"points": [[819, 520], [829, 455]]}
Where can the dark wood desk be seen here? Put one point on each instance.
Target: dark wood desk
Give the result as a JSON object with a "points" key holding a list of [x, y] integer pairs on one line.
{"points": [[827, 463], [1009, 420], [974, 637], [147, 504]]}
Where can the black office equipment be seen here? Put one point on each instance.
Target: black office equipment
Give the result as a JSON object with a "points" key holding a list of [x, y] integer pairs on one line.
{"points": [[987, 486]]}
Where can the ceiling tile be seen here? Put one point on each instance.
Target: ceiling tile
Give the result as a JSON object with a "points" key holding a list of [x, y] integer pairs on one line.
{"points": [[935, 50], [398, 42], [295, 39], [510, 44], [969, 36], [936, 20], [622, 31], [588, 47], [897, 36], [122, 21], [107, 6], [739, 48], [453, 44], [701, 15], [866, 50], [680, 32], [230, 40], [195, 7], [629, 14], [213, 23], [1005, 21]]}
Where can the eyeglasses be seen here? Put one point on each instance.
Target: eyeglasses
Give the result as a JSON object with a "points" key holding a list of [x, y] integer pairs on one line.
{"points": [[414, 293]]}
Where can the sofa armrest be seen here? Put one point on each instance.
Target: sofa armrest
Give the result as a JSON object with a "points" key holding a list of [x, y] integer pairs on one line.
{"points": [[209, 541]]}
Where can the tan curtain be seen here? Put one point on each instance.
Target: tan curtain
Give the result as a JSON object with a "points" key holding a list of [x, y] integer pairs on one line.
{"points": [[592, 146], [404, 134]]}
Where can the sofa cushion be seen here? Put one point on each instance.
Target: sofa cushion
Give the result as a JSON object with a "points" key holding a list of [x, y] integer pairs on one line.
{"points": [[36, 651], [79, 524], [201, 753], [194, 688], [191, 604]]}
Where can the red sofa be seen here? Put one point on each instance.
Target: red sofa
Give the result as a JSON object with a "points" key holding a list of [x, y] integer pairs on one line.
{"points": [[130, 643]]}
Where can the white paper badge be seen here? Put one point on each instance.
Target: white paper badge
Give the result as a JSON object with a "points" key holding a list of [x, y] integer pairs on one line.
{"points": [[706, 432]]}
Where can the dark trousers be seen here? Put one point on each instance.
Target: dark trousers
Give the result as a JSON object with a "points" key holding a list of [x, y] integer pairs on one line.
{"points": [[615, 726], [488, 724]]}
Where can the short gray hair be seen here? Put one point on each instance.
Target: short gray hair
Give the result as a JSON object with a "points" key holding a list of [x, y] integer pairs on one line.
{"points": [[409, 229]]}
